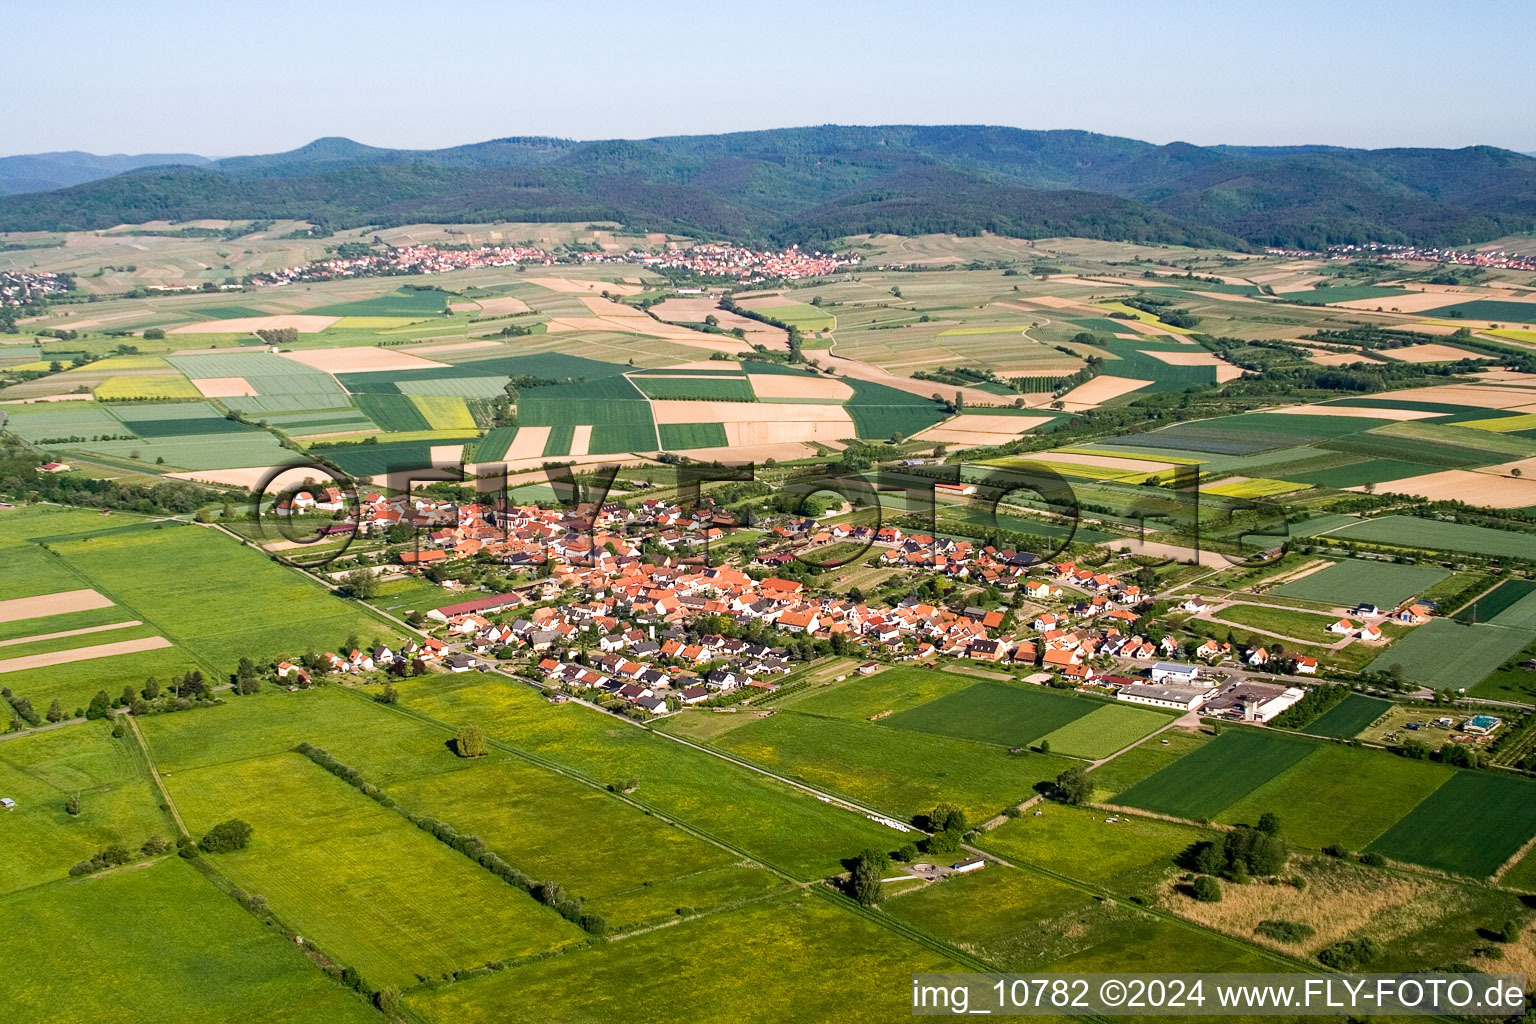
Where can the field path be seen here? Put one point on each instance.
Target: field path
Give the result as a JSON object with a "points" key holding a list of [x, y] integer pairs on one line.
{"points": [[154, 775]]}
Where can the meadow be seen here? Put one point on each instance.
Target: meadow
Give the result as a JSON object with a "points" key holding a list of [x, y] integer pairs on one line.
{"points": [[42, 772], [899, 772], [1469, 826], [1129, 856], [360, 881], [774, 823], [190, 951], [892, 689], [789, 940], [1355, 581], [725, 389]]}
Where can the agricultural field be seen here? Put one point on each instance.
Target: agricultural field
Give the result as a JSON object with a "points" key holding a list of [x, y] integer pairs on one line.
{"points": [[1130, 855], [1431, 534], [1355, 581], [682, 436], [1445, 654], [697, 388], [1348, 718], [1469, 826], [1205, 782], [278, 613]]}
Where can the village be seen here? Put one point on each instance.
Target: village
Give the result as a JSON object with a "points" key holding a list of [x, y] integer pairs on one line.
{"points": [[622, 611]]}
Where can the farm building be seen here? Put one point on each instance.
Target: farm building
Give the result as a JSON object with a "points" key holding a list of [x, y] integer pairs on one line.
{"points": [[493, 603], [969, 864], [1254, 702], [1181, 698]]}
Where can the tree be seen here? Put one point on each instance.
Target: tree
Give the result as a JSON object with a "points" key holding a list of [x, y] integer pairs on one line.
{"points": [[151, 688], [946, 818], [55, 711], [1269, 824], [867, 873], [1206, 889], [1510, 932], [1073, 787], [390, 694], [361, 584], [101, 705], [154, 334], [470, 741], [72, 805], [226, 836]]}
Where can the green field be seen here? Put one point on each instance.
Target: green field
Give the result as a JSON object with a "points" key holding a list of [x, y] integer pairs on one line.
{"points": [[223, 601], [1339, 794], [1009, 715], [891, 689], [1487, 309], [1354, 581], [1361, 472], [1105, 730], [825, 964], [725, 389], [558, 442], [782, 826], [1346, 293], [1129, 856], [361, 460], [1202, 784], [403, 302], [1346, 719], [682, 436], [74, 684], [392, 412], [360, 881], [903, 773], [493, 446], [1449, 655], [1469, 826], [879, 411], [42, 772], [1408, 531], [178, 949], [1504, 605]]}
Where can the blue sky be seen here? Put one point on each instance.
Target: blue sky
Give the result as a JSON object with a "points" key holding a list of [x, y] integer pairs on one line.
{"points": [[222, 79]]}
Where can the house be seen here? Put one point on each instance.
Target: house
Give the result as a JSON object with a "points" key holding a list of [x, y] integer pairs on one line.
{"points": [[1367, 609], [1371, 634], [461, 662], [1174, 672], [1258, 657], [1194, 604], [7, 803], [1306, 666], [1413, 614], [53, 467], [969, 864], [1343, 627], [1041, 590], [651, 705], [958, 490]]}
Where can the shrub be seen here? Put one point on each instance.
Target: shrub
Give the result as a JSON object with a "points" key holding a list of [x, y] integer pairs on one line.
{"points": [[226, 837], [470, 741], [1351, 954], [1336, 850], [1285, 931], [1206, 889], [155, 845], [1373, 860]]}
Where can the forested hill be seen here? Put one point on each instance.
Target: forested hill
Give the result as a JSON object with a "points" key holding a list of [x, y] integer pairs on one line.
{"points": [[809, 184]]}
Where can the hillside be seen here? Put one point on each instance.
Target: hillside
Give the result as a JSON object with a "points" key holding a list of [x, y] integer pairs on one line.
{"points": [[39, 172], [806, 184]]}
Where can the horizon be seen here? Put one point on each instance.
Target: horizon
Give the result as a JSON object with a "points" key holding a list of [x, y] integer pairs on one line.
{"points": [[792, 68], [743, 131]]}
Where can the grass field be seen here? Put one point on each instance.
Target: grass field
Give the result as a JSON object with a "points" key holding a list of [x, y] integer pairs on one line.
{"points": [[1105, 730], [676, 974], [1202, 784], [1409, 531], [1469, 826], [178, 948], [1308, 626], [1353, 581], [360, 881], [493, 446], [1496, 310], [1503, 600], [1339, 794], [276, 613], [1009, 715], [901, 772], [1449, 655], [73, 685], [879, 411], [1129, 856], [1139, 762], [41, 772], [1347, 718], [681, 436]]}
